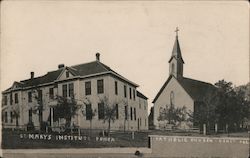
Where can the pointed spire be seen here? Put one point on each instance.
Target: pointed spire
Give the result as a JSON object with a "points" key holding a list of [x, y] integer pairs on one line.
{"points": [[176, 52]]}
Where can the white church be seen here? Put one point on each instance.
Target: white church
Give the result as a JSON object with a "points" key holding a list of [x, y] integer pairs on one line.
{"points": [[179, 91]]}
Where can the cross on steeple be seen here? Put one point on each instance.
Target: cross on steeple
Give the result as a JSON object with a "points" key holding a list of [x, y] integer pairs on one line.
{"points": [[176, 30]]}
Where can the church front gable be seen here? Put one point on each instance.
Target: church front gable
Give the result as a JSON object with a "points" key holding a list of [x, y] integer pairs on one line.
{"points": [[172, 94]]}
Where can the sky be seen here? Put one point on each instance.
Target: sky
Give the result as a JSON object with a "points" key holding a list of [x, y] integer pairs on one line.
{"points": [[134, 38]]}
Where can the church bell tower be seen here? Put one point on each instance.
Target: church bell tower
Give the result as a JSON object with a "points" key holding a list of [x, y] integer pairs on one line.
{"points": [[176, 62]]}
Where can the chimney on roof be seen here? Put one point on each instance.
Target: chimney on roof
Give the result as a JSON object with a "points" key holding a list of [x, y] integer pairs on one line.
{"points": [[97, 56], [60, 66], [32, 75]]}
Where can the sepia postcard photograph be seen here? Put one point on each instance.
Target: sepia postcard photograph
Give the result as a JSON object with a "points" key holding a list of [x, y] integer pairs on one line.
{"points": [[124, 79]]}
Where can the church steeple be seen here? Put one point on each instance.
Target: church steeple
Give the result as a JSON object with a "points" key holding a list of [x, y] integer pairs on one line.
{"points": [[176, 62]]}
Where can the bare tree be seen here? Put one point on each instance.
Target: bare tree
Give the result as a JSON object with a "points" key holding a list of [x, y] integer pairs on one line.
{"points": [[89, 112], [16, 113], [125, 114], [66, 108], [38, 107], [109, 111]]}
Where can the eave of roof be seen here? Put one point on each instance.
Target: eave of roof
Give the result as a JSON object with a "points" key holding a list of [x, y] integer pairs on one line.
{"points": [[162, 88], [172, 57], [139, 94]]}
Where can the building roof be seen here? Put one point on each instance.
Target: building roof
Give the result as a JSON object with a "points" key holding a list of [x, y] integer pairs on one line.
{"points": [[196, 89], [49, 77], [90, 68], [139, 94], [81, 70]]}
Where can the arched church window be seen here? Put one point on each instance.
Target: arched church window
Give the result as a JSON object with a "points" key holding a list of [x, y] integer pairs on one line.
{"points": [[173, 68], [172, 98]]}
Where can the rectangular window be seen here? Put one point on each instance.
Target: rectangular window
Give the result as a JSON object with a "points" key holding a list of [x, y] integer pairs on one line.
{"points": [[88, 88], [134, 94], [40, 114], [11, 117], [16, 98], [71, 90], [117, 111], [126, 112], [51, 93], [135, 113], [100, 111], [52, 113], [130, 93], [89, 112], [116, 88], [64, 90], [6, 117], [29, 97], [3, 117], [11, 99], [131, 113], [5, 100], [30, 115], [100, 86], [67, 74], [125, 91], [40, 95]]}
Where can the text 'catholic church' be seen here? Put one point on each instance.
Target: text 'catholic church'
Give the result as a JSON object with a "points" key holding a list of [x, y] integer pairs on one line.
{"points": [[179, 91]]}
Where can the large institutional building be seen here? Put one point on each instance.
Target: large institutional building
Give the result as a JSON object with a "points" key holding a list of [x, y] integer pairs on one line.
{"points": [[88, 82], [179, 91]]}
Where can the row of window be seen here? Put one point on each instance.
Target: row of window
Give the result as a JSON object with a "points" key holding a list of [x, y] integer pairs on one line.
{"points": [[68, 91], [140, 122], [100, 87], [16, 98], [88, 114], [145, 105], [130, 92], [5, 117], [5, 99], [39, 97], [101, 112]]}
